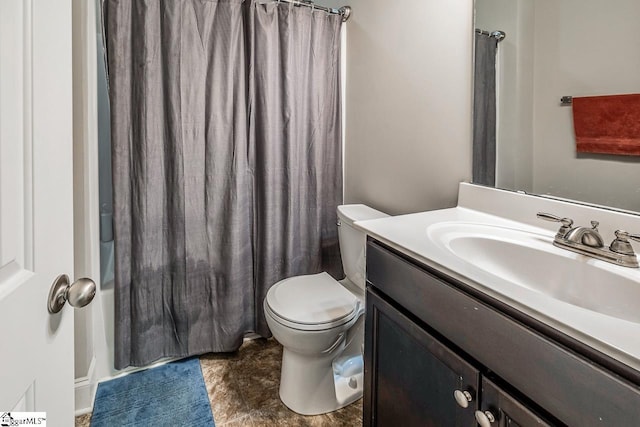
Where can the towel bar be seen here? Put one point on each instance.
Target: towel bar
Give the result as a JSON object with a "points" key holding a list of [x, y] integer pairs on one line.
{"points": [[566, 100]]}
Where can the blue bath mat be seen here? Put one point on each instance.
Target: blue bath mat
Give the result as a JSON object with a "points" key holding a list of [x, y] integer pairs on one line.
{"points": [[170, 395]]}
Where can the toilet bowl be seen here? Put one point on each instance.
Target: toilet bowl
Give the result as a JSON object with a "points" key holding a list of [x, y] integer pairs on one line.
{"points": [[319, 322]]}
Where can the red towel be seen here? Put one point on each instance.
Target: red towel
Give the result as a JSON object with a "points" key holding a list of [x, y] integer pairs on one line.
{"points": [[607, 124]]}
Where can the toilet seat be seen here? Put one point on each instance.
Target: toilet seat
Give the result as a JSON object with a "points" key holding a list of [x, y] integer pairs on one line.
{"points": [[312, 303]]}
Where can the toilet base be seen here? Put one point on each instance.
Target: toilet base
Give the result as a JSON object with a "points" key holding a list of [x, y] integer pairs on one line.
{"points": [[311, 385]]}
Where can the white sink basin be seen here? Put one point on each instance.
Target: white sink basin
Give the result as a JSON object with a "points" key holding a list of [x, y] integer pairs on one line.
{"points": [[529, 260]]}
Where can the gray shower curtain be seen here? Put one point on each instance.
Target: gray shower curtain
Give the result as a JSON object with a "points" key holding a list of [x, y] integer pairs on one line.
{"points": [[484, 110], [226, 166], [298, 169]]}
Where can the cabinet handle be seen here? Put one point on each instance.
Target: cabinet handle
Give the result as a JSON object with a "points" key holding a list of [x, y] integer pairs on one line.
{"points": [[462, 398], [485, 419]]}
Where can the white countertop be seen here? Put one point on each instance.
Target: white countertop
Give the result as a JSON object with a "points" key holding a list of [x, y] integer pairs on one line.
{"points": [[619, 339]]}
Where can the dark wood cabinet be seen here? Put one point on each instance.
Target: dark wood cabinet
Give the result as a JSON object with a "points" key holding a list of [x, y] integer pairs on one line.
{"points": [[411, 377], [505, 409], [428, 335]]}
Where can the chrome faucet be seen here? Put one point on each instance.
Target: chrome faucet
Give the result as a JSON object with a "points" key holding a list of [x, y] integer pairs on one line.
{"points": [[588, 241], [586, 236]]}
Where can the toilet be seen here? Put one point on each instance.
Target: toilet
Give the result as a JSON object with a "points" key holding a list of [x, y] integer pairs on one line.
{"points": [[319, 322]]}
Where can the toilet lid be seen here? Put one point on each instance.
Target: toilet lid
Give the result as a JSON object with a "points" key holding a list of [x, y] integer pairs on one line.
{"points": [[316, 300]]}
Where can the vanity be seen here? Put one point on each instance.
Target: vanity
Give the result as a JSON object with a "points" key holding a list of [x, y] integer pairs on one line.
{"points": [[474, 317]]}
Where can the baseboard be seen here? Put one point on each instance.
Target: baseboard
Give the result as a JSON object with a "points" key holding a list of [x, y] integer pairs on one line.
{"points": [[85, 391]]}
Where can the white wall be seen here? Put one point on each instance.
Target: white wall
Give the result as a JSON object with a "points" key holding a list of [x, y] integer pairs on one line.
{"points": [[408, 96], [583, 47]]}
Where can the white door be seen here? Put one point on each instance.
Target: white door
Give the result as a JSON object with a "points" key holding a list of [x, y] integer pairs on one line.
{"points": [[36, 217]]}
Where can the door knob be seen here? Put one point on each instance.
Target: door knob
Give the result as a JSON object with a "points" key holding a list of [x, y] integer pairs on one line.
{"points": [[79, 293]]}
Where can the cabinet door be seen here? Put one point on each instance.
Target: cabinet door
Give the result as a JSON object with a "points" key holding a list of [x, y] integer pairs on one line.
{"points": [[410, 377], [500, 409]]}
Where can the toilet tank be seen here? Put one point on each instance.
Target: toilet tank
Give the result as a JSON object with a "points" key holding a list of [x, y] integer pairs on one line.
{"points": [[353, 242]]}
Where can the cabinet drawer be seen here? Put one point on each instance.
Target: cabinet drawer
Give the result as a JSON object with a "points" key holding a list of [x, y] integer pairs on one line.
{"points": [[565, 384]]}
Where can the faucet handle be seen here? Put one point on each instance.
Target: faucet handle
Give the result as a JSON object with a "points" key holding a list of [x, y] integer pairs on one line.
{"points": [[621, 243], [566, 222], [623, 235]]}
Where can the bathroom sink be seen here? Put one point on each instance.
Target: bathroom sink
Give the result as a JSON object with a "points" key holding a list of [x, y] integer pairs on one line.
{"points": [[529, 260]]}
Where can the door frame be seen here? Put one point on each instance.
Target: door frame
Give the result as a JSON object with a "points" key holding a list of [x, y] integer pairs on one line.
{"points": [[91, 347]]}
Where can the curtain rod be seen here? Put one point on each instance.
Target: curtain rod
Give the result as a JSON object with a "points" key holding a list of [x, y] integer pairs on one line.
{"points": [[498, 35], [344, 11]]}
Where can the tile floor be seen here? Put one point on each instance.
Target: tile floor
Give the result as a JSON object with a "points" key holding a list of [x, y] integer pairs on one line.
{"points": [[243, 390]]}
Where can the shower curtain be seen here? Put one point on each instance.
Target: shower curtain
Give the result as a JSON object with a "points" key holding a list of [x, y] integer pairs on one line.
{"points": [[298, 169], [226, 166], [484, 110]]}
